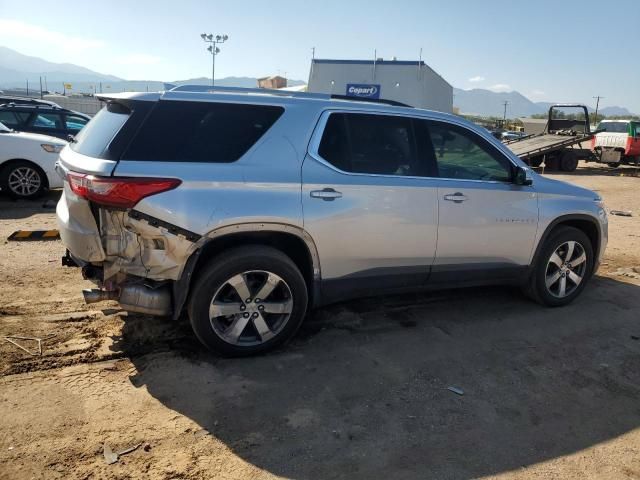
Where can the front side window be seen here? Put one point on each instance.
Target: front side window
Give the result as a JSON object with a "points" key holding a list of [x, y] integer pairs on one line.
{"points": [[201, 131], [75, 123], [370, 144], [464, 155]]}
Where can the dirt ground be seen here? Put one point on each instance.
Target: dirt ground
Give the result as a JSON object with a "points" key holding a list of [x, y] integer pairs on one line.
{"points": [[361, 392]]}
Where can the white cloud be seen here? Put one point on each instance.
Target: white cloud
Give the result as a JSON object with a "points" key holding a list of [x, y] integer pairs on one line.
{"points": [[477, 78], [138, 59], [500, 87], [15, 29]]}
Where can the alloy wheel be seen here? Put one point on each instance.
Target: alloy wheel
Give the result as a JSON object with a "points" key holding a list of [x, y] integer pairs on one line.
{"points": [[24, 181], [565, 269], [251, 308]]}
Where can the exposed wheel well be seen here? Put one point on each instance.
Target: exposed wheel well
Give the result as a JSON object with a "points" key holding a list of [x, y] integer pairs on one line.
{"points": [[289, 244], [23, 160], [589, 228]]}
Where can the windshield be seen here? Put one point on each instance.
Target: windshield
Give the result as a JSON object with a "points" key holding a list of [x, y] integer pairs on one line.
{"points": [[614, 127]]}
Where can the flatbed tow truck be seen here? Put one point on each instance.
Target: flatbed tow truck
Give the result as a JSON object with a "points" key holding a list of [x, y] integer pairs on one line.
{"points": [[559, 146]]}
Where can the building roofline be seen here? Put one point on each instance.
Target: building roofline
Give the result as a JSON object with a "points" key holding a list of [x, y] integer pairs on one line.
{"points": [[369, 62], [416, 63]]}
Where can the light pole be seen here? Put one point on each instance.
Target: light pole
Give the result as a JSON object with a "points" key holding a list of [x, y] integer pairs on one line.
{"points": [[213, 41]]}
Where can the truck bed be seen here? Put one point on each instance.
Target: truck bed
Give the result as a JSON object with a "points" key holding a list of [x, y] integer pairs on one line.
{"points": [[543, 143]]}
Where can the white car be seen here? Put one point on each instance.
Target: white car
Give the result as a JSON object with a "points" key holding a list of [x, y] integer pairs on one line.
{"points": [[27, 163]]}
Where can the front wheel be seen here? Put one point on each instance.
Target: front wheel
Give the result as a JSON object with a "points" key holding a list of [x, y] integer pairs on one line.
{"points": [[22, 180], [562, 268], [247, 301]]}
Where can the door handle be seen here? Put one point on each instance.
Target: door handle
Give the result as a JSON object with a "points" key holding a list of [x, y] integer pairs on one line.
{"points": [[328, 194], [456, 197]]}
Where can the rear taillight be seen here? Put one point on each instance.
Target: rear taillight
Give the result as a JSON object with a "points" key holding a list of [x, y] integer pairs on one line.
{"points": [[118, 192]]}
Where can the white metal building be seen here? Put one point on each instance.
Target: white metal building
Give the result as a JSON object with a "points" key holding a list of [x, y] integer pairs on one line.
{"points": [[411, 82]]}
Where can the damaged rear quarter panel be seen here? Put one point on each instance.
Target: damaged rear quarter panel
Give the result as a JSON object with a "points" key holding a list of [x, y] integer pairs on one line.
{"points": [[135, 247]]}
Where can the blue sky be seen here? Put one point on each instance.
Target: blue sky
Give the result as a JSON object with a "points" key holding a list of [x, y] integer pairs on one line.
{"points": [[500, 45]]}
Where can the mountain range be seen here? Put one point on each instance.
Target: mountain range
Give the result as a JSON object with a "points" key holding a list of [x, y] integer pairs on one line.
{"points": [[486, 103], [16, 69]]}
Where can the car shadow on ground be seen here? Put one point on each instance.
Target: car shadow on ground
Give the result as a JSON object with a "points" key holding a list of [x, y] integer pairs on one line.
{"points": [[11, 209], [362, 391]]}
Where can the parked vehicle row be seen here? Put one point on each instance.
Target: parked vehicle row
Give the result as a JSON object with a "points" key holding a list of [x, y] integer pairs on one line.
{"points": [[44, 119], [32, 133], [258, 206], [27, 163]]}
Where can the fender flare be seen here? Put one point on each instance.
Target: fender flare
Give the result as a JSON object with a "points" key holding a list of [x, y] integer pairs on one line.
{"points": [[182, 286], [564, 218]]}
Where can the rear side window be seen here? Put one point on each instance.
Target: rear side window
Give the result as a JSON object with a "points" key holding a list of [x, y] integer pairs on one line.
{"points": [[47, 120], [201, 131], [95, 137], [372, 144], [13, 119]]}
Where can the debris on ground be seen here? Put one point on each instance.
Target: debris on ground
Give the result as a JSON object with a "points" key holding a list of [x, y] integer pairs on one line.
{"points": [[12, 339], [112, 457], [621, 213], [631, 272], [456, 390]]}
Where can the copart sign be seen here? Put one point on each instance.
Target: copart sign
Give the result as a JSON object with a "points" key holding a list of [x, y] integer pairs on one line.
{"points": [[363, 91]]}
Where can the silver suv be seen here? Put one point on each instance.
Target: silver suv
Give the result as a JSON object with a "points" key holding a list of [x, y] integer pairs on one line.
{"points": [[246, 208]]}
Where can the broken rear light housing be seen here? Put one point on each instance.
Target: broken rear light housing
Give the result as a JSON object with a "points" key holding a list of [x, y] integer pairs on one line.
{"points": [[118, 192]]}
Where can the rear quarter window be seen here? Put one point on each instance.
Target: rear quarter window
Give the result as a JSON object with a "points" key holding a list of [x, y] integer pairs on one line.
{"points": [[96, 135], [201, 131]]}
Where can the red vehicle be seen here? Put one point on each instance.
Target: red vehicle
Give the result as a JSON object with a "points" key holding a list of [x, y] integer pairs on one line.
{"points": [[617, 142]]}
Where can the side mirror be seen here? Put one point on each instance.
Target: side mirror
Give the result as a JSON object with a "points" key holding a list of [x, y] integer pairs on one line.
{"points": [[523, 176]]}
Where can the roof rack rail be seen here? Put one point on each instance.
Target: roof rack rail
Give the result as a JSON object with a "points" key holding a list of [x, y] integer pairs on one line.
{"points": [[260, 91], [393, 103], [283, 93]]}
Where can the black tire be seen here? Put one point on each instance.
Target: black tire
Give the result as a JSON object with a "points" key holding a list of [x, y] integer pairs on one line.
{"points": [[568, 161], [17, 170], [552, 163], [535, 161], [537, 288], [214, 278]]}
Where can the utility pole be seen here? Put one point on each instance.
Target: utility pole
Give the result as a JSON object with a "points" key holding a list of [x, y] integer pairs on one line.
{"points": [[313, 57], [598, 97], [40, 88], [504, 117], [27, 87], [213, 41]]}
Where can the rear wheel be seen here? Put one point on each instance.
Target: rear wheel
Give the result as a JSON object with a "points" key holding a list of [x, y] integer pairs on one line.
{"points": [[535, 161], [247, 301], [568, 161], [562, 268], [552, 163], [22, 180]]}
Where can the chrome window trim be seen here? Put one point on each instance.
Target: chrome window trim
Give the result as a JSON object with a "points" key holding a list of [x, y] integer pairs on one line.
{"points": [[316, 138]]}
